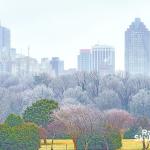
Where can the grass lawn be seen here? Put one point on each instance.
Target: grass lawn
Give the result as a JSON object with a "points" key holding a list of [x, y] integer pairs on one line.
{"points": [[58, 145], [61, 145], [131, 145]]}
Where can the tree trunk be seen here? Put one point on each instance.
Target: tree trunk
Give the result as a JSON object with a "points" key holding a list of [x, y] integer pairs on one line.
{"points": [[145, 145], [86, 146], [52, 144], [107, 147], [75, 144], [45, 141]]}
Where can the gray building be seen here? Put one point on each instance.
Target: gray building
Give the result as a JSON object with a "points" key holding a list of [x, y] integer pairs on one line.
{"points": [[84, 60], [137, 48], [57, 65], [12, 54], [45, 67], [103, 59], [4, 38], [5, 50], [25, 65]]}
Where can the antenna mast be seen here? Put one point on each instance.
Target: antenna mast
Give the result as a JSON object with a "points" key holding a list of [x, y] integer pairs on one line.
{"points": [[28, 60]]}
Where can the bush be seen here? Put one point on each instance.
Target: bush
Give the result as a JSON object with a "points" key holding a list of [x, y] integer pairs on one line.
{"points": [[113, 139], [98, 142], [13, 120], [40, 112], [130, 133], [24, 137]]}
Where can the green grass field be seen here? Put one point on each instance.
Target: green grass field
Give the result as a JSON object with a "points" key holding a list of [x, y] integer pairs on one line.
{"points": [[68, 145]]}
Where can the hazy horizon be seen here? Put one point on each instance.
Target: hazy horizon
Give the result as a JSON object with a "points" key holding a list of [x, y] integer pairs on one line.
{"points": [[62, 27]]}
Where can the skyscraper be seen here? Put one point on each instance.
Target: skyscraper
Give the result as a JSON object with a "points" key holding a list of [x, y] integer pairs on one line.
{"points": [[137, 48], [84, 60], [4, 38], [5, 58], [57, 65], [46, 67], [103, 59]]}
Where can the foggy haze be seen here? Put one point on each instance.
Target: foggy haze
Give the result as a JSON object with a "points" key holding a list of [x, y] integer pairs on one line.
{"points": [[62, 27]]}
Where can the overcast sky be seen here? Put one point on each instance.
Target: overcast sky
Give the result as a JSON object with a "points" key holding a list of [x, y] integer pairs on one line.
{"points": [[62, 27]]}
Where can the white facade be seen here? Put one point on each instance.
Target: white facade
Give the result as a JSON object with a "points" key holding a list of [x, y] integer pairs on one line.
{"points": [[45, 67], [103, 59], [25, 66], [70, 71]]}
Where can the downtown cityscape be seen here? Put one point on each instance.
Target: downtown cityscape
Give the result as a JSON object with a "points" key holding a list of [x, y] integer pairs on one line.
{"points": [[99, 58], [74, 75]]}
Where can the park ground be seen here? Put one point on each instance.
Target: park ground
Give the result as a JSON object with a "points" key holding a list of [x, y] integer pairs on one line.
{"points": [[68, 145]]}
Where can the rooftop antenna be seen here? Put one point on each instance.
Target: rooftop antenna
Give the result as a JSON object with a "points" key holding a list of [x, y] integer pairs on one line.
{"points": [[28, 51], [20, 52], [28, 60]]}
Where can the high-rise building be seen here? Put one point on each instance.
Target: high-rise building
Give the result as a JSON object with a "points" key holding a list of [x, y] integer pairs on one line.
{"points": [[45, 67], [5, 50], [137, 48], [84, 60], [103, 59], [12, 54], [4, 38], [57, 65], [25, 65]]}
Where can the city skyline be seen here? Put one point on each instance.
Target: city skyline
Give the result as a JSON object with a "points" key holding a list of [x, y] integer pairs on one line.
{"points": [[61, 30]]}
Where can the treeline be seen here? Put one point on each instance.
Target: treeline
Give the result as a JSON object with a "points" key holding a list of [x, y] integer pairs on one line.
{"points": [[120, 91], [88, 128]]}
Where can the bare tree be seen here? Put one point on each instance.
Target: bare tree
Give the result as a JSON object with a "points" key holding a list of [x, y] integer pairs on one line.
{"points": [[108, 99], [95, 84], [140, 103], [77, 94], [79, 122], [55, 128], [118, 119], [145, 144], [81, 79]]}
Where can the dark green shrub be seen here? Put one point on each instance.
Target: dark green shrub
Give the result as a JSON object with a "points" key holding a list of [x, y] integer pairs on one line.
{"points": [[22, 137], [130, 133], [112, 138], [13, 120], [40, 112]]}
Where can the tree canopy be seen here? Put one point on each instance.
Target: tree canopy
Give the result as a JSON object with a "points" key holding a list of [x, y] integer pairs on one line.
{"points": [[40, 112], [14, 120]]}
